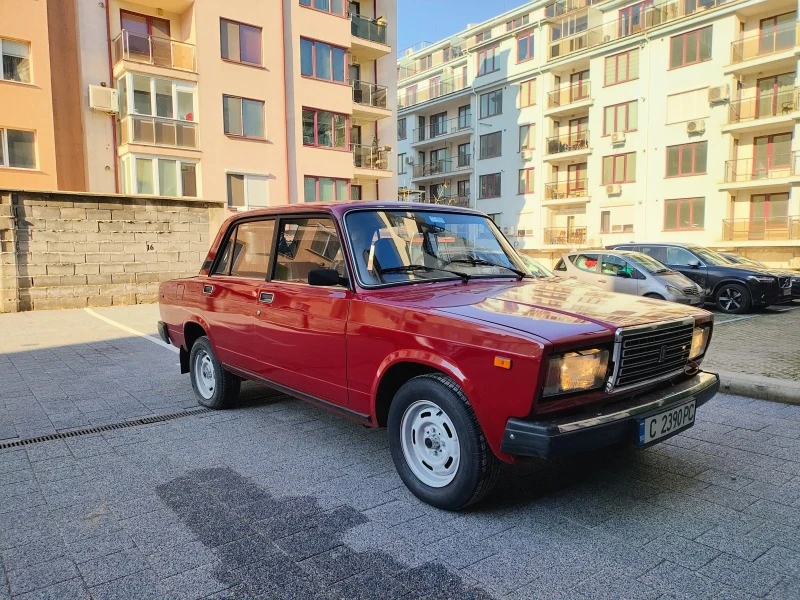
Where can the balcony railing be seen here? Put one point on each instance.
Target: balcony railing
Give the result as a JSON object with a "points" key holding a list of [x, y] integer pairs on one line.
{"points": [[429, 61], [368, 29], [749, 169], [449, 200], [157, 51], [764, 44], [653, 16], [369, 94], [370, 157], [564, 7], [567, 143], [761, 228], [439, 128], [575, 188], [442, 166], [568, 94], [410, 96], [764, 106], [565, 235], [155, 131]]}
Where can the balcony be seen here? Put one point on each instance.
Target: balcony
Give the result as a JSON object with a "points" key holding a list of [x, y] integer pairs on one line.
{"points": [[563, 190], [559, 8], [369, 37], [449, 200], [429, 61], [761, 229], [779, 170], [152, 50], [755, 50], [369, 100], [371, 162], [437, 130], [411, 96], [765, 113], [442, 167], [564, 236], [569, 97], [566, 147], [154, 131]]}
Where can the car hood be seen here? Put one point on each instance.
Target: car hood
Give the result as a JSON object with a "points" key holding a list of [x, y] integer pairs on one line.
{"points": [[553, 309], [675, 280]]}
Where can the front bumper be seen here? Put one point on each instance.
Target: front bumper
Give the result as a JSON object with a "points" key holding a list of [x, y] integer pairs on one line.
{"points": [[616, 423]]}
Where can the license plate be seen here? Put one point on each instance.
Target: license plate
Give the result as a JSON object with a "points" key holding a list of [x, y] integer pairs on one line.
{"points": [[787, 291], [666, 423]]}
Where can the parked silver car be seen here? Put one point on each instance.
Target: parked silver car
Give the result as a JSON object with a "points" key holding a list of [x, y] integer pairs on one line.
{"points": [[630, 273]]}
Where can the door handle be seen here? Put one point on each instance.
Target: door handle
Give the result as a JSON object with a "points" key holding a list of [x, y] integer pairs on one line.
{"points": [[266, 297], [207, 289]]}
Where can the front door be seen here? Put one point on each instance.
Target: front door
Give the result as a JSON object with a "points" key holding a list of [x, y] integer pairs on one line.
{"points": [[579, 86], [776, 33], [354, 74], [145, 31], [771, 155], [769, 216], [576, 182], [300, 328], [618, 275], [775, 95], [577, 132], [685, 263]]}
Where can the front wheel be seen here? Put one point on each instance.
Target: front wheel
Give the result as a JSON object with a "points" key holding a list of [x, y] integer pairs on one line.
{"points": [[437, 445], [733, 298], [654, 296], [214, 386]]}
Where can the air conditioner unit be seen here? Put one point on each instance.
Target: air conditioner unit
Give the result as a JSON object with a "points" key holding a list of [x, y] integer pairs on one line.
{"points": [[527, 154], [409, 160], [522, 232], [698, 126], [720, 93], [618, 137], [613, 189], [510, 230], [103, 99]]}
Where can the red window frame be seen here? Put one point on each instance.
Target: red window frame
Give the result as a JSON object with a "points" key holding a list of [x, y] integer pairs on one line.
{"points": [[627, 129], [771, 150], [260, 62], [345, 67], [529, 181], [629, 11], [316, 144], [496, 192], [411, 92], [330, 11], [242, 135], [679, 149], [483, 36], [316, 179], [677, 203], [485, 54], [614, 178], [149, 19], [528, 85], [517, 23], [529, 47], [615, 58], [684, 37], [529, 129], [488, 137]]}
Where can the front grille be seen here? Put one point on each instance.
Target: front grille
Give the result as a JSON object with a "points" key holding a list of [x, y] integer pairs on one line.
{"points": [[690, 291], [651, 353], [784, 282]]}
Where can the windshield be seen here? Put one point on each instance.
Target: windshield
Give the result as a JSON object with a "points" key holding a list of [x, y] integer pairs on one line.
{"points": [[711, 258], [400, 246], [534, 267], [650, 264]]}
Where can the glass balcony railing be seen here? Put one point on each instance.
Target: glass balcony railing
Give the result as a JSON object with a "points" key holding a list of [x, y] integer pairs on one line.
{"points": [[412, 95], [369, 94], [565, 235], [155, 131], [448, 200], [368, 29], [567, 142], [424, 63], [569, 93], [442, 167], [439, 128], [765, 43], [157, 51], [773, 166], [370, 157], [763, 106], [574, 188], [761, 228]]}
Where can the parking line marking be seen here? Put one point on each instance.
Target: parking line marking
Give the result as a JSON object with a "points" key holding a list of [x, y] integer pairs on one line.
{"points": [[736, 319], [149, 338]]}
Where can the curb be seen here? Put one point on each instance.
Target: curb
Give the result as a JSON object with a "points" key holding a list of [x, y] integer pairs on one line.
{"points": [[757, 386]]}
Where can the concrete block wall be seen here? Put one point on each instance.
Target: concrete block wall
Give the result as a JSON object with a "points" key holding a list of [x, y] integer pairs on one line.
{"points": [[75, 250]]}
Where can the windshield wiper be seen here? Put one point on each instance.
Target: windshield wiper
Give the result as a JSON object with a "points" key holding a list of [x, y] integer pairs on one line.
{"points": [[465, 277], [480, 262]]}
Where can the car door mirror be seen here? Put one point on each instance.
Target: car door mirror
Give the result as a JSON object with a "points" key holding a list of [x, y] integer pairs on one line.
{"points": [[694, 263], [324, 277]]}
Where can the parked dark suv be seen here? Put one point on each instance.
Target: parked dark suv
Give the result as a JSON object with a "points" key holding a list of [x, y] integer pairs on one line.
{"points": [[734, 288]]}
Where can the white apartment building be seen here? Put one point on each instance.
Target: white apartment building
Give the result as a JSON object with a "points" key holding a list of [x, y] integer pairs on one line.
{"points": [[581, 123]]}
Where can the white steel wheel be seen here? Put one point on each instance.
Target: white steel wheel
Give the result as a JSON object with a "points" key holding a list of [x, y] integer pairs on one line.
{"points": [[430, 443], [204, 374]]}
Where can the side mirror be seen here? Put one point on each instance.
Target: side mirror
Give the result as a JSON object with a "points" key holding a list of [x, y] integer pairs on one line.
{"points": [[324, 277], [695, 264]]}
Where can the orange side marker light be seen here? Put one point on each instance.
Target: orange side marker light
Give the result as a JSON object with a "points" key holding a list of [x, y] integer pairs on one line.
{"points": [[503, 363]]}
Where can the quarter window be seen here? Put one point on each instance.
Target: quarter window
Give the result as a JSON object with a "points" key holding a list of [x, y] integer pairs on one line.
{"points": [[325, 189], [246, 191], [243, 117], [491, 144], [15, 64], [684, 214], [324, 129], [619, 168], [305, 245], [322, 61], [17, 149], [687, 159], [690, 48], [489, 185], [621, 117], [491, 104], [239, 42]]}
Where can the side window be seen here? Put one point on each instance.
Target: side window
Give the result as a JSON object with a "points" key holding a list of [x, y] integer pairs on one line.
{"points": [[305, 245], [679, 256], [657, 252], [252, 249], [560, 265], [617, 267], [585, 262]]}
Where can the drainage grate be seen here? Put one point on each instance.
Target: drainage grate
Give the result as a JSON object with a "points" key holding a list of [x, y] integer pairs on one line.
{"points": [[100, 428]]}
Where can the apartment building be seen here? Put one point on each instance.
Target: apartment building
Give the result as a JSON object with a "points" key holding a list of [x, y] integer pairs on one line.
{"points": [[580, 123], [258, 103]]}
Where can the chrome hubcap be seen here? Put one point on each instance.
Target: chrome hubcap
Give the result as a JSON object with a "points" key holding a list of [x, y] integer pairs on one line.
{"points": [[730, 299], [430, 443], [204, 374]]}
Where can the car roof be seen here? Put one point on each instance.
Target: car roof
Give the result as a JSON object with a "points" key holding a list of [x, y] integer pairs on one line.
{"points": [[621, 252], [677, 244], [340, 208]]}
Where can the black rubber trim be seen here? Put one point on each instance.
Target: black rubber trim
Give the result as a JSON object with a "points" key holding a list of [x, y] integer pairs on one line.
{"points": [[163, 332]]}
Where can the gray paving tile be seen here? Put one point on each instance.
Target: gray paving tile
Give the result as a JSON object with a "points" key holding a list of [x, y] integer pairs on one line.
{"points": [[41, 575], [74, 589], [143, 585], [681, 551], [781, 560], [741, 574]]}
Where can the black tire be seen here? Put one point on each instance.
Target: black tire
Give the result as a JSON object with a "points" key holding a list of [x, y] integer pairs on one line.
{"points": [[225, 389], [654, 296], [478, 467], [733, 298]]}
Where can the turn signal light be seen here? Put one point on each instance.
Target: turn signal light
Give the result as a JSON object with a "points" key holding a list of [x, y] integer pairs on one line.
{"points": [[503, 363]]}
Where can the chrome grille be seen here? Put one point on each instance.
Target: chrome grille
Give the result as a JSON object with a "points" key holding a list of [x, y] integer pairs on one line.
{"points": [[690, 291], [643, 354], [784, 282]]}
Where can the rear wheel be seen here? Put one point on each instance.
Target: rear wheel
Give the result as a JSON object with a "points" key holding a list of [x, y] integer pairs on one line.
{"points": [[214, 386], [437, 445], [733, 298]]}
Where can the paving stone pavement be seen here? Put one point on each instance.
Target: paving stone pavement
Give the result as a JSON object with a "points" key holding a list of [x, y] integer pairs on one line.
{"points": [[278, 499]]}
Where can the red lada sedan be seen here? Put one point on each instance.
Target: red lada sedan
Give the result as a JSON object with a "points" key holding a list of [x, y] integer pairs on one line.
{"points": [[423, 319]]}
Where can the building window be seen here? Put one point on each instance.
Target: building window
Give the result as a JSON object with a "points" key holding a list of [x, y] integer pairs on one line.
{"points": [[492, 104], [402, 132], [619, 168], [323, 61], [401, 164], [246, 191], [325, 129], [622, 67], [243, 117], [489, 185], [15, 61], [605, 221], [486, 60], [621, 117], [17, 149], [631, 18], [525, 181], [491, 145], [483, 36], [518, 22], [159, 176], [684, 214], [165, 98], [240, 43], [690, 48], [325, 189], [464, 116], [463, 155], [687, 106], [527, 93], [526, 137], [335, 7], [687, 159], [525, 47]]}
